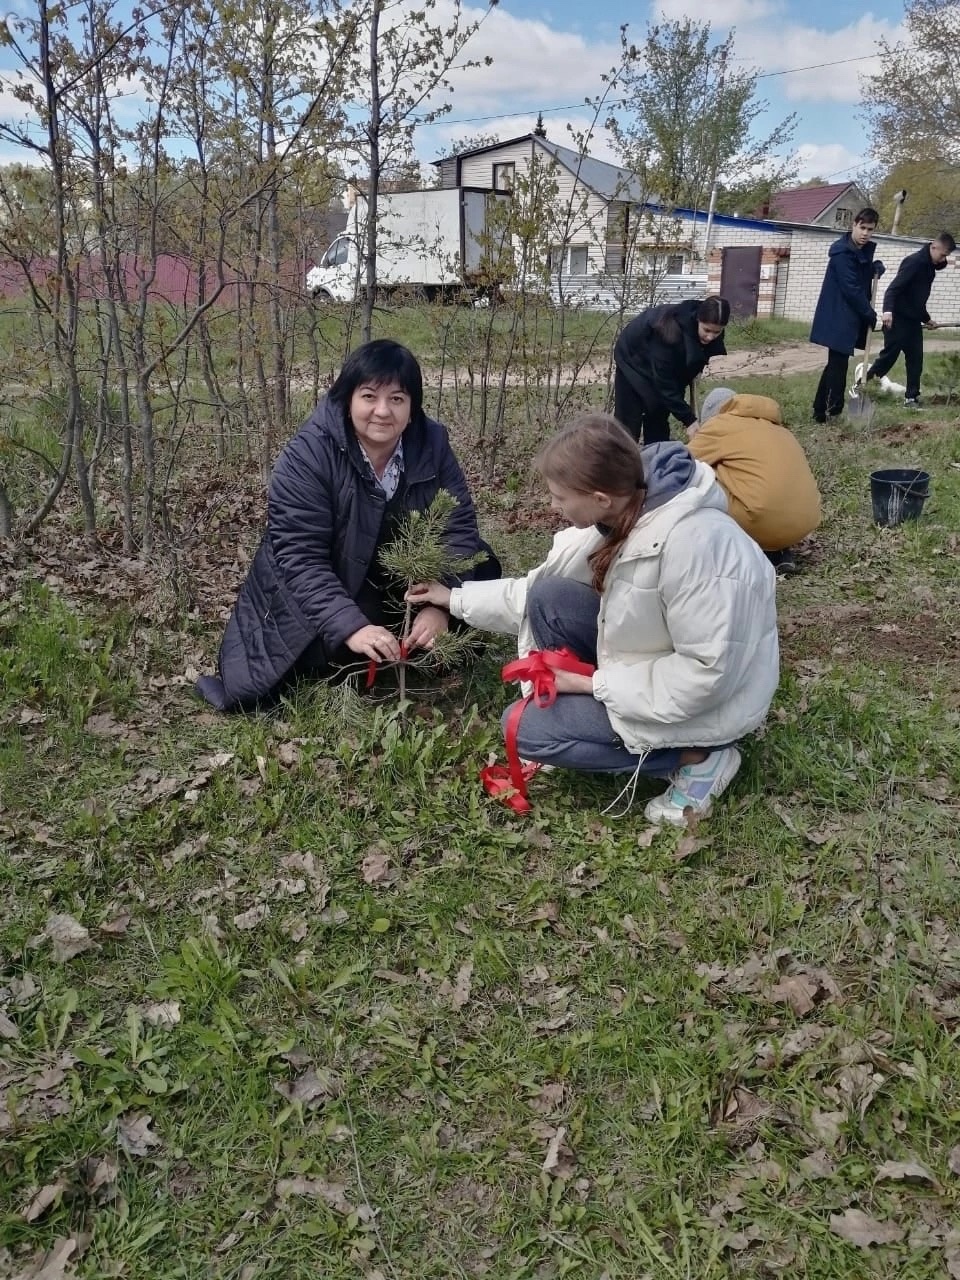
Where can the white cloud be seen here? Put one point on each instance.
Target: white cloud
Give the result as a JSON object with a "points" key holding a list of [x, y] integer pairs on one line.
{"points": [[780, 48], [722, 13], [831, 161], [766, 41], [532, 62]]}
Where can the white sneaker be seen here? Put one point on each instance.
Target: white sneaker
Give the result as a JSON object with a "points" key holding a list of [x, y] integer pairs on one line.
{"points": [[694, 787]]}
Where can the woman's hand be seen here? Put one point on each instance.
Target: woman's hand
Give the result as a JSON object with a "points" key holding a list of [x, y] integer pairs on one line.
{"points": [[429, 593], [429, 623], [374, 642], [693, 428], [572, 682]]}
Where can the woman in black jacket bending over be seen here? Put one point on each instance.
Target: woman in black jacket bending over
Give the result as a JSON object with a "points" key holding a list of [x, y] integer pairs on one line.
{"points": [[316, 597], [657, 356]]}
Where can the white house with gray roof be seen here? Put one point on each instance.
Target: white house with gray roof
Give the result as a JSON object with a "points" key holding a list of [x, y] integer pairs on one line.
{"points": [[614, 246]]}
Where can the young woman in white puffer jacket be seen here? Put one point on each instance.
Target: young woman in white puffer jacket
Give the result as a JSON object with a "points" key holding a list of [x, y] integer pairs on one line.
{"points": [[663, 592]]}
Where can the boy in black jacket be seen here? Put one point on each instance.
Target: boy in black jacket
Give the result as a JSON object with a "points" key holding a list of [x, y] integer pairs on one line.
{"points": [[905, 314]]}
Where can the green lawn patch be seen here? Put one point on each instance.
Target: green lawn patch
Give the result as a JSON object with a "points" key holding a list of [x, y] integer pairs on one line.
{"points": [[288, 996]]}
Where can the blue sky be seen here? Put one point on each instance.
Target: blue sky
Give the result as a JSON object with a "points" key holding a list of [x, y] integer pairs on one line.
{"points": [[550, 55]]}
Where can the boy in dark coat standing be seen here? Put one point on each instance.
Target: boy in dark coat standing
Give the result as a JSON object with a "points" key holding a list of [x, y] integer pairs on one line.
{"points": [[844, 309], [905, 314]]}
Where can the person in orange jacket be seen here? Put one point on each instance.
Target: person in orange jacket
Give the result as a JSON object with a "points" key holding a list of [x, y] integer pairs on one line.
{"points": [[759, 464]]}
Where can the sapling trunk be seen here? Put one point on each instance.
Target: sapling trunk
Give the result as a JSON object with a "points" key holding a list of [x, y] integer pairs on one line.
{"points": [[418, 553]]}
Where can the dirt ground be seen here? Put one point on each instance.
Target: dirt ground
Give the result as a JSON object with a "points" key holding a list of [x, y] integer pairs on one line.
{"points": [[785, 358]]}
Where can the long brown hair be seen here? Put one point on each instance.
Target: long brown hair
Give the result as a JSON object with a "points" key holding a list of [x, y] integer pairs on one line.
{"points": [[595, 454]]}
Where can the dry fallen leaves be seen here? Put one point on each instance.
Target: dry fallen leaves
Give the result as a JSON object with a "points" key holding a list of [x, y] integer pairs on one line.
{"points": [[166, 1013], [742, 1107], [559, 1160], [332, 1193], [43, 1200], [117, 926], [798, 991], [790, 1047], [56, 1263], [136, 1136], [687, 846], [862, 1230], [550, 1098], [67, 937], [461, 990], [825, 1125], [375, 866], [904, 1171], [99, 1174], [803, 990], [8, 1028], [311, 1088], [250, 919]]}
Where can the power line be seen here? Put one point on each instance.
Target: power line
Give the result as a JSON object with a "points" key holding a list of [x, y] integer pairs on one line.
{"points": [[621, 102]]}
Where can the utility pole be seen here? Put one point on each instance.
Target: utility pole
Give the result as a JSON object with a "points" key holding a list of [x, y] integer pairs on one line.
{"points": [[898, 201], [716, 166]]}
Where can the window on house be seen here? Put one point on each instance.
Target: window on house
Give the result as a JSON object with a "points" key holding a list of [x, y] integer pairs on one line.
{"points": [[504, 176], [570, 260], [843, 218], [675, 264]]}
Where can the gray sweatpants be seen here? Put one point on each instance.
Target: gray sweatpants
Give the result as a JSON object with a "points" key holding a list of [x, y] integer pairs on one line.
{"points": [[575, 731]]}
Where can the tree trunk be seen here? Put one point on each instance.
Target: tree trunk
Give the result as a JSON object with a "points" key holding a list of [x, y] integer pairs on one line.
{"points": [[373, 137]]}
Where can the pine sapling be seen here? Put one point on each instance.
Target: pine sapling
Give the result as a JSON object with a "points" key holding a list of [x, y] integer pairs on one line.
{"points": [[418, 553]]}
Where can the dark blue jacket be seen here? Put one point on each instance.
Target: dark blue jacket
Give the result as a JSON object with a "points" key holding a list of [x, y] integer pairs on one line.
{"points": [[844, 311], [908, 291], [660, 370], [324, 515]]}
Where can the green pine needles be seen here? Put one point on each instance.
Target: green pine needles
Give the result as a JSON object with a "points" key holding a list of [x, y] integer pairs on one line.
{"points": [[418, 553]]}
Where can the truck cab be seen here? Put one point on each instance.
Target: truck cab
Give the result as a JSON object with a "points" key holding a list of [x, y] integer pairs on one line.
{"points": [[334, 278]]}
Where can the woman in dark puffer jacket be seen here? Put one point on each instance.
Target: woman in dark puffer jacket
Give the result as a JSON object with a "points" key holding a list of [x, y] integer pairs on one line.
{"points": [[316, 597]]}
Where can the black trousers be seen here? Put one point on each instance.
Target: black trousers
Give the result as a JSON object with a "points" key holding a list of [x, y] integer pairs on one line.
{"points": [[644, 422], [832, 387], [903, 336]]}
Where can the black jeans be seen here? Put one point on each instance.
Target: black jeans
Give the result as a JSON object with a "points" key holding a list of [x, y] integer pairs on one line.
{"points": [[832, 387], [905, 336], [636, 414]]}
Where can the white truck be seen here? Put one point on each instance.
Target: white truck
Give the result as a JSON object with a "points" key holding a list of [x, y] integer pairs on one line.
{"points": [[432, 240]]}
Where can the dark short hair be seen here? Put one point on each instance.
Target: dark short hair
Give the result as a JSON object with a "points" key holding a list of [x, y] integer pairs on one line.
{"points": [[375, 364], [868, 215], [714, 310], [947, 240]]}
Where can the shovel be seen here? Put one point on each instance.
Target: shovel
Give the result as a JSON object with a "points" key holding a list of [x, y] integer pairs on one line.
{"points": [[860, 407]]}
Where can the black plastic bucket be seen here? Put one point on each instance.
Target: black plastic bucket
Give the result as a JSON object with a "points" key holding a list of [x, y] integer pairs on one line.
{"points": [[898, 494]]}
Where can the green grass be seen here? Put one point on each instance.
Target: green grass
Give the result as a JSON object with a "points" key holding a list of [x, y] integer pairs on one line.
{"points": [[366, 1079], [756, 332]]}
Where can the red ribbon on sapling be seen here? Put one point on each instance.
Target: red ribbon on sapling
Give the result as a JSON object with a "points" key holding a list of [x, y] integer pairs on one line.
{"points": [[373, 664], [509, 782]]}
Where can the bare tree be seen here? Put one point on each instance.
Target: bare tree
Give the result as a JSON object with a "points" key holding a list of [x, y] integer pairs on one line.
{"points": [[409, 57]]}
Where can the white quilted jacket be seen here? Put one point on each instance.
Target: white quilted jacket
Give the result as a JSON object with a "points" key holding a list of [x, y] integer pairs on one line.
{"points": [[687, 650]]}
